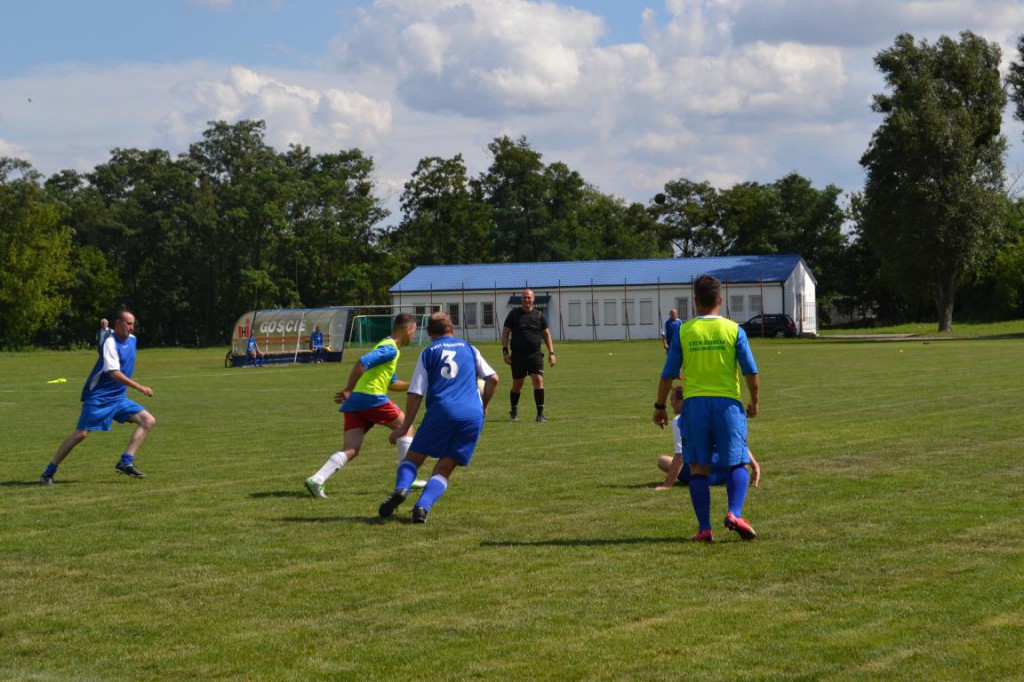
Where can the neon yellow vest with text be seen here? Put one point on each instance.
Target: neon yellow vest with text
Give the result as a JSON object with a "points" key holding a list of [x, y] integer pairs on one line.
{"points": [[376, 380], [709, 357]]}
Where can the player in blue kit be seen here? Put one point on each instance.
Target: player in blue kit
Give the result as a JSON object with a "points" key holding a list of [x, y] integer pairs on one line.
{"points": [[316, 345], [446, 373], [714, 351], [677, 471], [104, 399]]}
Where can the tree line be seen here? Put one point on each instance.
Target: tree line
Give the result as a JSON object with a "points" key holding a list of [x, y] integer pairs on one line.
{"points": [[190, 242]]}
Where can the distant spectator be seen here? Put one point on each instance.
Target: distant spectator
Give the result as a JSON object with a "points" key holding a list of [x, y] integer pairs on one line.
{"points": [[316, 345], [253, 353], [102, 334], [671, 328]]}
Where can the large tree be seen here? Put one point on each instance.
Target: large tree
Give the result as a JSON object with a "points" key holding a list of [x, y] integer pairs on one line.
{"points": [[933, 199], [34, 255]]}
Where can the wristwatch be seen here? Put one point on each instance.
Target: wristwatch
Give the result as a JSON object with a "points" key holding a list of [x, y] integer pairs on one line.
{"points": [[659, 406]]}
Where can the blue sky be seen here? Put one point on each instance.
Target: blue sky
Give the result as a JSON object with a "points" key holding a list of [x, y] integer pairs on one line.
{"points": [[631, 93]]}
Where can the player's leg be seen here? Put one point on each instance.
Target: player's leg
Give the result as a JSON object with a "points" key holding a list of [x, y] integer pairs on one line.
{"points": [[453, 446], [144, 423], [436, 487], [515, 392], [730, 425], [671, 465], [355, 431], [405, 477], [66, 446], [698, 453], [537, 379]]}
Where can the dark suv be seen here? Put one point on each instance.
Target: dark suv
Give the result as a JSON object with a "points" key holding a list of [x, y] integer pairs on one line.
{"points": [[773, 325]]}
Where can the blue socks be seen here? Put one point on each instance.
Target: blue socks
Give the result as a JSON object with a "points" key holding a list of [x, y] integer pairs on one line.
{"points": [[700, 496], [736, 487], [51, 469], [435, 489], [126, 459], [405, 475]]}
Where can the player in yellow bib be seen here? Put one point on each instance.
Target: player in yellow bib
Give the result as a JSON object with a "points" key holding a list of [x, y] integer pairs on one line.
{"points": [[364, 400], [713, 352]]}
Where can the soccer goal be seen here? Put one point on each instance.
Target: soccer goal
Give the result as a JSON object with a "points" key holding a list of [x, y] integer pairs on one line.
{"points": [[367, 329]]}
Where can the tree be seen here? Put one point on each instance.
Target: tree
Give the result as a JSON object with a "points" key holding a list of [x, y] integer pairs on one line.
{"points": [[443, 223], [515, 188], [690, 218], [933, 200], [34, 255]]}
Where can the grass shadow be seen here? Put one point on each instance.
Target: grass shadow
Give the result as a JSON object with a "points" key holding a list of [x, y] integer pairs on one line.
{"points": [[278, 493], [369, 520], [582, 542], [32, 484]]}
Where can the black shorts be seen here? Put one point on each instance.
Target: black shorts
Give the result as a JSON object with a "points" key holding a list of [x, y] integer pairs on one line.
{"points": [[527, 364]]}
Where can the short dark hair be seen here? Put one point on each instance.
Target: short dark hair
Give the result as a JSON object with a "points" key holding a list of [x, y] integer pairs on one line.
{"points": [[403, 320], [707, 291], [439, 324], [120, 313]]}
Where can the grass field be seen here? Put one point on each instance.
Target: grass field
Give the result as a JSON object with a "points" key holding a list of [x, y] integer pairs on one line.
{"points": [[890, 518]]}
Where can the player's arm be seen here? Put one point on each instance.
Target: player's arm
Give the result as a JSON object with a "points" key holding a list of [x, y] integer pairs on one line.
{"points": [[551, 346], [490, 377], [755, 470], [672, 473], [506, 332], [669, 373], [353, 378], [413, 400], [745, 358], [398, 385], [121, 378]]}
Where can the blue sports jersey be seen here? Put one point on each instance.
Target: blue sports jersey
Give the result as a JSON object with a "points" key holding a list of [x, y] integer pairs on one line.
{"points": [[316, 340], [672, 328], [446, 374], [115, 355]]}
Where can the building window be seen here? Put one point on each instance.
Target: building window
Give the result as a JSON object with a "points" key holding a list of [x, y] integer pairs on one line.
{"points": [[575, 314], [591, 314], [646, 311], [421, 310], [471, 314], [628, 311], [735, 305], [453, 312], [755, 304], [610, 318], [683, 307], [488, 314]]}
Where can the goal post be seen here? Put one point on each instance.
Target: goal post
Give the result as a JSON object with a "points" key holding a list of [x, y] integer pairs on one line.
{"points": [[367, 329]]}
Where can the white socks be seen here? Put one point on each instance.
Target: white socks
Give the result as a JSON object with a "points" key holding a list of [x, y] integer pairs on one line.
{"points": [[403, 446], [335, 462]]}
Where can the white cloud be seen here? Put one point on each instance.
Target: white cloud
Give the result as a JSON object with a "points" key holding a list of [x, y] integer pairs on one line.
{"points": [[324, 120]]}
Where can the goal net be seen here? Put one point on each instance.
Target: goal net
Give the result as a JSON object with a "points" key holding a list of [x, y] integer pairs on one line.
{"points": [[366, 330]]}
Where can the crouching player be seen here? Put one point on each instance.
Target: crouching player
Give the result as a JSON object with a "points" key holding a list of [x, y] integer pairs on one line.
{"points": [[446, 373], [674, 468]]}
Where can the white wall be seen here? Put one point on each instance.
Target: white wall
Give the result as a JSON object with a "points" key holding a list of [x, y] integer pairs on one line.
{"points": [[649, 308]]}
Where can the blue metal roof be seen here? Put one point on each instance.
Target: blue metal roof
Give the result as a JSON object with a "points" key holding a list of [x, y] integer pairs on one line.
{"points": [[735, 269]]}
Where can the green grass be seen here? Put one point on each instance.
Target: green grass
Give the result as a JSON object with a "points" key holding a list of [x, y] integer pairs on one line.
{"points": [[961, 330], [891, 537]]}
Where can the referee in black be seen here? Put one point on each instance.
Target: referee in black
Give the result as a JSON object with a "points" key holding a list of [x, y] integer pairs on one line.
{"points": [[520, 344]]}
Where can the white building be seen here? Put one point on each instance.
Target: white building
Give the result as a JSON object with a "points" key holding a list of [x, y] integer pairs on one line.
{"points": [[604, 300]]}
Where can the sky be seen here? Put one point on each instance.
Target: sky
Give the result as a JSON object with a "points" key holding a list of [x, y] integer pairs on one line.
{"points": [[630, 93]]}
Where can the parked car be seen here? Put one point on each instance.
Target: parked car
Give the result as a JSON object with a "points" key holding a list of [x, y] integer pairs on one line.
{"points": [[772, 325]]}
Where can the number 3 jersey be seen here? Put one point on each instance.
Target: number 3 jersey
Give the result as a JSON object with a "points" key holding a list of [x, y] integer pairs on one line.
{"points": [[446, 375]]}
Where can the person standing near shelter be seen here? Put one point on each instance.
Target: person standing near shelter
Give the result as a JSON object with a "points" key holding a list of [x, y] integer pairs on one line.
{"points": [[364, 400], [671, 329], [253, 352], [446, 373], [104, 399], [316, 345], [713, 350], [520, 346]]}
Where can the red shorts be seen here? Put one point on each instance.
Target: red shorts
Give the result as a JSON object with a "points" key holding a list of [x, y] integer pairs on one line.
{"points": [[365, 419]]}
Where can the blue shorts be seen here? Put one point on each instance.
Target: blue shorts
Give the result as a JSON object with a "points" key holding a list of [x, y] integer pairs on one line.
{"points": [[448, 438], [98, 416], [715, 424]]}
